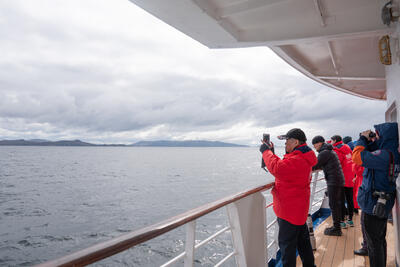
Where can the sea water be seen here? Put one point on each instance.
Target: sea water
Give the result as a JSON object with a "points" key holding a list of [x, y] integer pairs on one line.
{"points": [[58, 200]]}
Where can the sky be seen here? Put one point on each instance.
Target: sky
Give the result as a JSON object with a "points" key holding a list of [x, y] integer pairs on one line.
{"points": [[108, 72]]}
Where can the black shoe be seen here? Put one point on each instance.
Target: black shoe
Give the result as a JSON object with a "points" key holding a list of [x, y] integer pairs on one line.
{"points": [[361, 252], [333, 231]]}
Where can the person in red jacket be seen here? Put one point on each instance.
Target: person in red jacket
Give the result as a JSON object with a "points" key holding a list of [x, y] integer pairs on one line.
{"points": [[344, 153], [358, 170], [291, 195]]}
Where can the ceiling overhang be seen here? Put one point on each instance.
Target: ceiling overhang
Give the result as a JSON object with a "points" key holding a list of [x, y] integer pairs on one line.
{"points": [[332, 42]]}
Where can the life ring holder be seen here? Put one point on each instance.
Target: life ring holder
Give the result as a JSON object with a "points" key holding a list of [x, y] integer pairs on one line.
{"points": [[384, 50]]}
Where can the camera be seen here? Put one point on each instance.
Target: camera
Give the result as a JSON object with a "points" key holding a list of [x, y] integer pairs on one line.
{"points": [[266, 138], [379, 209], [371, 134]]}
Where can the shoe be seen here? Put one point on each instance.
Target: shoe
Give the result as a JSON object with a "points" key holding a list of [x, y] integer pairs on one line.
{"points": [[350, 223], [361, 252], [332, 231], [343, 225]]}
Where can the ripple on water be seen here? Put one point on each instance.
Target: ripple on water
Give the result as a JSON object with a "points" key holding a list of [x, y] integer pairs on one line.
{"points": [[52, 238], [26, 243], [38, 212], [9, 249]]}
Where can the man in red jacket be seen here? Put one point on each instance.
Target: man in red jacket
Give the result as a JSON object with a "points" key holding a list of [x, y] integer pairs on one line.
{"points": [[291, 195], [344, 153]]}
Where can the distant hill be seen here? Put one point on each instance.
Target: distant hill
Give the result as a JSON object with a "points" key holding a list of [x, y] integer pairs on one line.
{"points": [[190, 143], [37, 142], [163, 143]]}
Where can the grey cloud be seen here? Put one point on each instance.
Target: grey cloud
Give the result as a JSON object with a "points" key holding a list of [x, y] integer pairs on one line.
{"points": [[182, 102], [70, 78]]}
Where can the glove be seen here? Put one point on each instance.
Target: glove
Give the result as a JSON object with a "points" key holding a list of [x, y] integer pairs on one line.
{"points": [[365, 139], [264, 147]]}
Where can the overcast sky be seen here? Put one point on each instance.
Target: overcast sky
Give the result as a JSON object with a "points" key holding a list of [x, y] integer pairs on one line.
{"points": [[107, 72]]}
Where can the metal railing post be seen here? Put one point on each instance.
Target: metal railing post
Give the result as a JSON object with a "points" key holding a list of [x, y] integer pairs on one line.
{"points": [[189, 244], [266, 223], [314, 186], [233, 216]]}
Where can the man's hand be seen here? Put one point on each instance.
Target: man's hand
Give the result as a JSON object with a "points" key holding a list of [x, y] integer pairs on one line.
{"points": [[366, 134], [264, 147]]}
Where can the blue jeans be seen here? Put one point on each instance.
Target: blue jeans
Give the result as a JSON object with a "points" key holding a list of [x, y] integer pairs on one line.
{"points": [[292, 237]]}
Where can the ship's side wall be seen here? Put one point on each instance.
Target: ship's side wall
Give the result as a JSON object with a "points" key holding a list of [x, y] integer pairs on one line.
{"points": [[392, 114]]}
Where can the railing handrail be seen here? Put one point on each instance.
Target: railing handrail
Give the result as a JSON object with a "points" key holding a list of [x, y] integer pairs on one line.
{"points": [[111, 247]]}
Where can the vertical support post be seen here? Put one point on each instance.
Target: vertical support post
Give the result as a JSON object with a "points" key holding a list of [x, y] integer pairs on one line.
{"points": [[396, 221], [314, 187], [309, 219], [190, 243], [276, 243], [266, 235], [237, 239]]}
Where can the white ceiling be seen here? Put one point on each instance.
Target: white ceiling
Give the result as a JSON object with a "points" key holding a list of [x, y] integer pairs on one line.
{"points": [[332, 41]]}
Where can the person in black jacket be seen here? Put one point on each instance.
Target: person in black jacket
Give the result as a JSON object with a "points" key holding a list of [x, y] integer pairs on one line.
{"points": [[329, 162]]}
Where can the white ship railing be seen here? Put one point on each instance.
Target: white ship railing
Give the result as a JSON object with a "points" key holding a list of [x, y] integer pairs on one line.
{"points": [[253, 243]]}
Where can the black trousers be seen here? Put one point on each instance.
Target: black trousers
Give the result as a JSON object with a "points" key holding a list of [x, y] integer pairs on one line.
{"points": [[364, 242], [375, 232], [335, 203], [291, 237], [348, 196]]}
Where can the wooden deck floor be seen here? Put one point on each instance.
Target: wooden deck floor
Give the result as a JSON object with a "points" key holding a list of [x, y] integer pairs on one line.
{"points": [[338, 251]]}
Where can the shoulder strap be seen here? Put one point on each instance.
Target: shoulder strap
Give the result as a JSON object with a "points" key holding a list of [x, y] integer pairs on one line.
{"points": [[391, 167]]}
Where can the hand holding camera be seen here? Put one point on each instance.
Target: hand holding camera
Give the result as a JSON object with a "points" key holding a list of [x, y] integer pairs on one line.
{"points": [[368, 134], [266, 143]]}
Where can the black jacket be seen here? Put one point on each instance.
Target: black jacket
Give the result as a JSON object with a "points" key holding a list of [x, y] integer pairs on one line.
{"points": [[329, 162]]}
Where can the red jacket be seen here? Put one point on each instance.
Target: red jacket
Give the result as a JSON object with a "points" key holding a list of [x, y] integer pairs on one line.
{"points": [[344, 153], [358, 170], [291, 193]]}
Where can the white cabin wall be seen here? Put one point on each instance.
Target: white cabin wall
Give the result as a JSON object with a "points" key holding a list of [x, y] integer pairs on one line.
{"points": [[393, 99], [393, 72]]}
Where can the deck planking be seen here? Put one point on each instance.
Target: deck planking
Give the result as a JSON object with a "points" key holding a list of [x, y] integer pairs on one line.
{"points": [[339, 251]]}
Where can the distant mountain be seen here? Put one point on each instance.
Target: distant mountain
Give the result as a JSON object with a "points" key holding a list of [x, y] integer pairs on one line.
{"points": [[190, 143], [39, 142], [163, 143]]}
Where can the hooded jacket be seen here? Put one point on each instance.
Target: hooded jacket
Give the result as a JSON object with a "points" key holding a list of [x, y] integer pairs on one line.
{"points": [[344, 153], [376, 163], [291, 193], [329, 162]]}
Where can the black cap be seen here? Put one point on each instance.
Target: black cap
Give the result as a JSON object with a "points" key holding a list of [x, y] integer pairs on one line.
{"points": [[294, 133], [318, 139], [347, 139], [337, 138]]}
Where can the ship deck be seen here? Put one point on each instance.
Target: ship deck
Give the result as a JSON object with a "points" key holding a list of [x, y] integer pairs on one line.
{"points": [[337, 251]]}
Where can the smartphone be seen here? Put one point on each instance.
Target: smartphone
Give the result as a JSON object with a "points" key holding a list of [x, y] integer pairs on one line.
{"points": [[266, 138]]}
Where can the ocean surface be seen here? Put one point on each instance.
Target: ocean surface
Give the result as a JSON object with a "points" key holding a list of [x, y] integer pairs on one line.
{"points": [[58, 200]]}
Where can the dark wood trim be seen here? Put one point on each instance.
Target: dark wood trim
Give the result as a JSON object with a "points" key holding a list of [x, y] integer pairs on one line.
{"points": [[121, 243]]}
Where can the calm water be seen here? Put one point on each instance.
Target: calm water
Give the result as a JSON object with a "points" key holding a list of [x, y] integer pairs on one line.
{"points": [[57, 200]]}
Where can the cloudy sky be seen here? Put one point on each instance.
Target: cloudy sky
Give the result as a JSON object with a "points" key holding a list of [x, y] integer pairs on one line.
{"points": [[107, 72]]}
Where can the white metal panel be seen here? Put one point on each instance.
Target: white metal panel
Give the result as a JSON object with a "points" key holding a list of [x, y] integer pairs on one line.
{"points": [[393, 96], [318, 37], [247, 220]]}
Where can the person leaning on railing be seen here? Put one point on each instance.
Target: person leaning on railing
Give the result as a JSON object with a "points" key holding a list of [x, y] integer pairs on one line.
{"points": [[377, 192], [291, 196], [329, 162]]}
